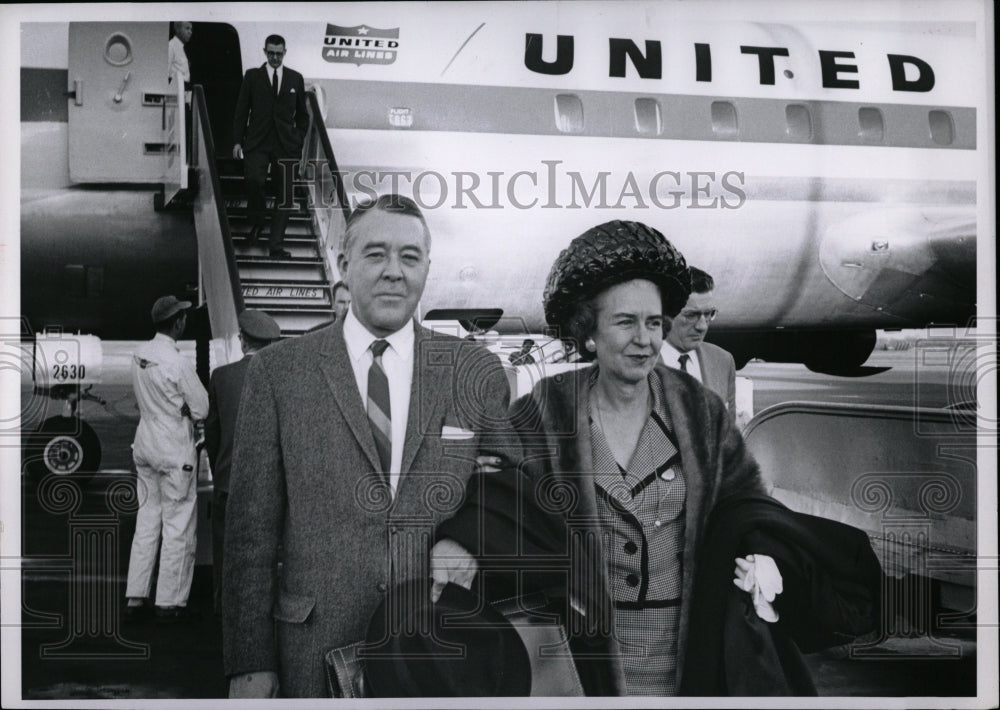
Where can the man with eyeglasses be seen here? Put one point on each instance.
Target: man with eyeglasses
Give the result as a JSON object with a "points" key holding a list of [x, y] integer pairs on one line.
{"points": [[684, 347], [268, 131]]}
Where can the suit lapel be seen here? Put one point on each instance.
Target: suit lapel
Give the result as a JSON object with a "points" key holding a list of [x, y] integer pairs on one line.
{"points": [[430, 386], [703, 367], [335, 362]]}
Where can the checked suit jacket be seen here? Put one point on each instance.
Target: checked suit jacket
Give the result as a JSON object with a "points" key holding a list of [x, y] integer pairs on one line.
{"points": [[258, 111], [305, 481]]}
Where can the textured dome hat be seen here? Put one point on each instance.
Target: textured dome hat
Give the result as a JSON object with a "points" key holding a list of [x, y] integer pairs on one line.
{"points": [[610, 254]]}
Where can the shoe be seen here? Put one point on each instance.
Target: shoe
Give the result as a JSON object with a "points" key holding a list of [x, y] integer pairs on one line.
{"points": [[135, 614], [280, 254], [175, 614], [254, 235]]}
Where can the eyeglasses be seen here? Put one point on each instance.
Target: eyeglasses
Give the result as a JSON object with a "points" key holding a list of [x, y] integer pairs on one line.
{"points": [[695, 316], [274, 54]]}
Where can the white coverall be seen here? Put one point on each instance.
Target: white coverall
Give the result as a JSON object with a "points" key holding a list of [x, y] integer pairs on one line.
{"points": [[164, 454]]}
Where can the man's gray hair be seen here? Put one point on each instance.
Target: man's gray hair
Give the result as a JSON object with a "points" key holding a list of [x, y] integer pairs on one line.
{"points": [[391, 203]]}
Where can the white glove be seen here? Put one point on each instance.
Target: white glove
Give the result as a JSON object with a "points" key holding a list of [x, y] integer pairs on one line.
{"points": [[759, 575]]}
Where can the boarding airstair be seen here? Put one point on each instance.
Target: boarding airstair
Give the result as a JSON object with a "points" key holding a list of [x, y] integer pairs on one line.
{"points": [[235, 274], [296, 290]]}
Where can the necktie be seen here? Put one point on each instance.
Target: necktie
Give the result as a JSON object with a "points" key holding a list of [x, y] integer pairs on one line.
{"points": [[379, 412], [274, 83], [683, 360]]}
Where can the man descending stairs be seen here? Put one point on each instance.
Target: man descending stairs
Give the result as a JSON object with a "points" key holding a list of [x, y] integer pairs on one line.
{"points": [[295, 289]]}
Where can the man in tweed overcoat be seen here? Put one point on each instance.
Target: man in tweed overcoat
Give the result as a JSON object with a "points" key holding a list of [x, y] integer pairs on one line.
{"points": [[309, 488]]}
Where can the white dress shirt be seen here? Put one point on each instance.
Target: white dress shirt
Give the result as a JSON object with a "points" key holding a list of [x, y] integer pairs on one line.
{"points": [[281, 76], [177, 61], [672, 358], [397, 361]]}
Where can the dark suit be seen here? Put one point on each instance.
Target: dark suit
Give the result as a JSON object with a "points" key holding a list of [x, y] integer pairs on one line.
{"points": [[224, 391], [270, 129], [306, 481], [718, 373]]}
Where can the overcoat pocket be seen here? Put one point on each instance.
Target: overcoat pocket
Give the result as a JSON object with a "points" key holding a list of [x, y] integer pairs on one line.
{"points": [[293, 608]]}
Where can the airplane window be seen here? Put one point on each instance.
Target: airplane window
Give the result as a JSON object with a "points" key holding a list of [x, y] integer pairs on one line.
{"points": [[942, 127], [569, 113], [872, 128], [118, 50], [647, 116], [798, 123], [724, 121]]}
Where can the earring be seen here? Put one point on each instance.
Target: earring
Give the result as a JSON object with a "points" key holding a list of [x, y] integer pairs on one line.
{"points": [[590, 344]]}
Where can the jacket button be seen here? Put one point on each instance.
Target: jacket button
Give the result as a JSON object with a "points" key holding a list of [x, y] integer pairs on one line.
{"points": [[632, 580], [631, 547], [381, 587]]}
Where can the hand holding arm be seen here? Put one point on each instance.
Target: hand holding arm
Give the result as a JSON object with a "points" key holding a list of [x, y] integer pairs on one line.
{"points": [[450, 562]]}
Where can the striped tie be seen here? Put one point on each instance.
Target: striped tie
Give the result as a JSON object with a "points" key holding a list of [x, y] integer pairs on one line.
{"points": [[684, 361], [379, 412]]}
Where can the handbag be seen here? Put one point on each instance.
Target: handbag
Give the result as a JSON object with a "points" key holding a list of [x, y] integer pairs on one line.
{"points": [[553, 673]]}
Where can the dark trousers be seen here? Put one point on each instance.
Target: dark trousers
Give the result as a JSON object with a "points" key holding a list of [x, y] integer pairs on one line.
{"points": [[255, 165], [219, 499]]}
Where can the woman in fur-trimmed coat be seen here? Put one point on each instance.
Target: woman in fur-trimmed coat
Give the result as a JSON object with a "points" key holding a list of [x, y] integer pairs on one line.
{"points": [[638, 505]]}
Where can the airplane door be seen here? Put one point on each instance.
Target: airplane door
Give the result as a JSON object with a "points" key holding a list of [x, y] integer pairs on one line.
{"points": [[118, 71]]}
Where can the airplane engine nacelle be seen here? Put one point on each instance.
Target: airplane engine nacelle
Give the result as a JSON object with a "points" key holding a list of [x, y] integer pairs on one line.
{"points": [[67, 360], [840, 352]]}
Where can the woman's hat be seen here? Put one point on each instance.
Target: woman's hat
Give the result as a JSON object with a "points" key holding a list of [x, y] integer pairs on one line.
{"points": [[458, 646], [610, 254]]}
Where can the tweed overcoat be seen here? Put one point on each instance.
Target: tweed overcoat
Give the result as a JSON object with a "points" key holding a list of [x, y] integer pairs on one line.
{"points": [[305, 490], [554, 428]]}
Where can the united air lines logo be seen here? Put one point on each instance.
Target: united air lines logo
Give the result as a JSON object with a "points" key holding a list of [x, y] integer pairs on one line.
{"points": [[360, 44]]}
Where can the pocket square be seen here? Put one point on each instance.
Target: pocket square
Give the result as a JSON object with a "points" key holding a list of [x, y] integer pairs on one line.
{"points": [[291, 91], [454, 432]]}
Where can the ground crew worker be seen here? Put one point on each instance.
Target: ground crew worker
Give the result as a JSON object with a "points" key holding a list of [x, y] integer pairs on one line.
{"points": [[171, 401], [257, 329]]}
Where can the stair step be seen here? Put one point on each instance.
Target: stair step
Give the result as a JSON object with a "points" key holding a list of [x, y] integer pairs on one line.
{"points": [[297, 322], [298, 250], [241, 227], [234, 186], [259, 295], [286, 270], [242, 239], [237, 204]]}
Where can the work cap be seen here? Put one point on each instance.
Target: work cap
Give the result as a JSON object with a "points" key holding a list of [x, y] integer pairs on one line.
{"points": [[167, 306], [259, 325]]}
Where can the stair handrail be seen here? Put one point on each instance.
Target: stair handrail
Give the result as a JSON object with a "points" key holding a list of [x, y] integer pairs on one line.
{"points": [[226, 302], [316, 123], [325, 184], [198, 94]]}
